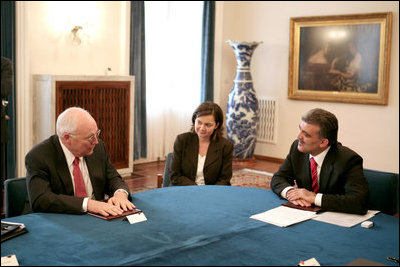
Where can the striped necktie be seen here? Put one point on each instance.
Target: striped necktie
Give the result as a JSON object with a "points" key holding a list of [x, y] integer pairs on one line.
{"points": [[80, 190], [314, 175]]}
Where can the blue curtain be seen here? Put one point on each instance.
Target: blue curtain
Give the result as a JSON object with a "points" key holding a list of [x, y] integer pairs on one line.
{"points": [[207, 52], [8, 51], [137, 67]]}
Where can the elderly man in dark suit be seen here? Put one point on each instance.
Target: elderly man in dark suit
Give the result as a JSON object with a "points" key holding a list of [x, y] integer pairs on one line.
{"points": [[320, 171], [70, 172]]}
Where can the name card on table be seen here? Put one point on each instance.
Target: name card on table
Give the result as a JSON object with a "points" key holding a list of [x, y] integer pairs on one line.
{"points": [[9, 260], [137, 217]]}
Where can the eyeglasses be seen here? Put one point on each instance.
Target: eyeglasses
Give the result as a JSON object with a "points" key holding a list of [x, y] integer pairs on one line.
{"points": [[92, 137]]}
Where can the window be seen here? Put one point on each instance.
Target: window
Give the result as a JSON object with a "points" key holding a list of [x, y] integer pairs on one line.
{"points": [[173, 71]]}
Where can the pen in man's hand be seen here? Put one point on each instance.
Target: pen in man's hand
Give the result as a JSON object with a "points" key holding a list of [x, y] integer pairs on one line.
{"points": [[393, 259]]}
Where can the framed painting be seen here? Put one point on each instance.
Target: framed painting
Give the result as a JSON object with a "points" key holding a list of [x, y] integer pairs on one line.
{"points": [[342, 58]]}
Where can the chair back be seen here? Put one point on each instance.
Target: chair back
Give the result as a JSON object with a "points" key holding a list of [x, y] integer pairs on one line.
{"points": [[167, 173], [16, 200], [383, 191]]}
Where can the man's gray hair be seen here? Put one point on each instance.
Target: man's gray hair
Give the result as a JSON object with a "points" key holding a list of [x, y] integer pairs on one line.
{"points": [[67, 122]]}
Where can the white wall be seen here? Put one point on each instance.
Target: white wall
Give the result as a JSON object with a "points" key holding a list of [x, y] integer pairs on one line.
{"points": [[370, 130], [107, 45]]}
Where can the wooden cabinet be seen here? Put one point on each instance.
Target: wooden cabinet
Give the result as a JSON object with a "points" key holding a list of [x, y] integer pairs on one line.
{"points": [[109, 99]]}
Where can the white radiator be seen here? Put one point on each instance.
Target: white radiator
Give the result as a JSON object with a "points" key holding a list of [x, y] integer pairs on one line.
{"points": [[267, 126]]}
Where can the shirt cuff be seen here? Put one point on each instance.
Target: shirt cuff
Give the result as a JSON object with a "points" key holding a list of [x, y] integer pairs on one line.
{"points": [[284, 191], [318, 200], [123, 190], [84, 204]]}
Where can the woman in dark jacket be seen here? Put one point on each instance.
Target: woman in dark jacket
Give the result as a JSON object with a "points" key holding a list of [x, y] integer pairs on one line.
{"points": [[203, 156]]}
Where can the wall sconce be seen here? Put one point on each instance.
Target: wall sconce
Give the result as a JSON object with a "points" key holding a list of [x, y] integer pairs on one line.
{"points": [[75, 21], [75, 35]]}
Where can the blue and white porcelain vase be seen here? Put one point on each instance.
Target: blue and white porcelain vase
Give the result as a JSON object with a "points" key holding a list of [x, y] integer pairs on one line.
{"points": [[242, 109]]}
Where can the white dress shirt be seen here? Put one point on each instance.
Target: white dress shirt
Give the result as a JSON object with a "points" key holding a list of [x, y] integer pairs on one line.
{"points": [[200, 175]]}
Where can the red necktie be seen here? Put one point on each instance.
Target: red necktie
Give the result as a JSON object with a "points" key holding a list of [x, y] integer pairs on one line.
{"points": [[80, 190], [314, 175]]}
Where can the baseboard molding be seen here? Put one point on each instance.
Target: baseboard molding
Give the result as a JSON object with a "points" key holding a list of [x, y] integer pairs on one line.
{"points": [[276, 160], [271, 159]]}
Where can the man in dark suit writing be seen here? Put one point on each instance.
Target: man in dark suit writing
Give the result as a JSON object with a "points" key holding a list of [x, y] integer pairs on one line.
{"points": [[320, 171], [70, 172]]}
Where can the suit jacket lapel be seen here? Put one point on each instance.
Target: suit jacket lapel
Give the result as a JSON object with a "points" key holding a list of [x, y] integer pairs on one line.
{"points": [[62, 166], [193, 152], [93, 172], [326, 170], [90, 165], [212, 154], [306, 172]]}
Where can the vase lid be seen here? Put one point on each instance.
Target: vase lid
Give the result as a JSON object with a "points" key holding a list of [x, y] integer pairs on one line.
{"points": [[243, 42]]}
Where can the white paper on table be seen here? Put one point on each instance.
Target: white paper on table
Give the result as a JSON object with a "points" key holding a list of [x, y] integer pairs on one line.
{"points": [[284, 216], [344, 219]]}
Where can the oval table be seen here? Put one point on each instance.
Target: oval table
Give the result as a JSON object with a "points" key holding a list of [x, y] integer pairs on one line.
{"points": [[198, 225]]}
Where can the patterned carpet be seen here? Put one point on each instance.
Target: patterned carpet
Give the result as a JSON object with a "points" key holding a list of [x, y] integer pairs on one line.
{"points": [[138, 189], [252, 178], [243, 177]]}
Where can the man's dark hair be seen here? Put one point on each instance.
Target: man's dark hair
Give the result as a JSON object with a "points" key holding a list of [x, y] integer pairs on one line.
{"points": [[326, 121]]}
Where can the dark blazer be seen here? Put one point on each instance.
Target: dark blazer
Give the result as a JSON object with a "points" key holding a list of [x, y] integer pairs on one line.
{"points": [[217, 167], [342, 180], [6, 87], [49, 181]]}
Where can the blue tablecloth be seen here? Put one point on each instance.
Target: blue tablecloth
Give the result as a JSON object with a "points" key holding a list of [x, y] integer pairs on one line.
{"points": [[198, 225]]}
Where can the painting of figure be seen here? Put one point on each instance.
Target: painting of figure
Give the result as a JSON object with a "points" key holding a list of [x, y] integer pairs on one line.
{"points": [[341, 58]]}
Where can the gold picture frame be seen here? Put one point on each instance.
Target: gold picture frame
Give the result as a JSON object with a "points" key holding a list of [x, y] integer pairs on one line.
{"points": [[342, 58]]}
